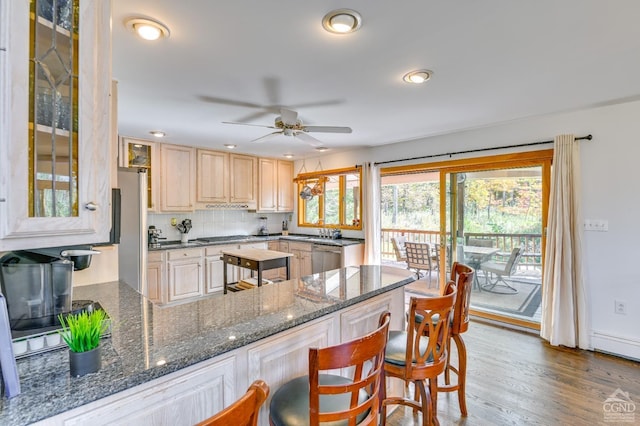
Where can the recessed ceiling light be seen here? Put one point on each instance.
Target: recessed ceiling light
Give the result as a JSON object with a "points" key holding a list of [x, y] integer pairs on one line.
{"points": [[288, 155], [418, 77], [229, 145], [158, 133], [148, 29], [342, 21], [322, 148]]}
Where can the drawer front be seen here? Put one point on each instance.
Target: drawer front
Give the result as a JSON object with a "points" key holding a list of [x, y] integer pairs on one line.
{"points": [[215, 250], [295, 245], [184, 253], [251, 264], [155, 256], [231, 260]]}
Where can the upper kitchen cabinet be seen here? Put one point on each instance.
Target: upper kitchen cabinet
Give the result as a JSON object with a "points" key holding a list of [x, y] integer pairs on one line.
{"points": [[143, 154], [178, 178], [55, 82], [275, 193], [244, 179], [213, 177]]}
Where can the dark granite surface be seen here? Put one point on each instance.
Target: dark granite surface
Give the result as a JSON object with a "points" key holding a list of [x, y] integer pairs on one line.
{"points": [[145, 335], [240, 239]]}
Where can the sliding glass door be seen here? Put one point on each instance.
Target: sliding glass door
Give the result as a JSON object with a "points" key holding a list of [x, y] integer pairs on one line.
{"points": [[491, 214], [494, 220]]}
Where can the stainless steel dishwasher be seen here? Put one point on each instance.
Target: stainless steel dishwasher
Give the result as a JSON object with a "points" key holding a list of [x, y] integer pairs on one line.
{"points": [[325, 257]]}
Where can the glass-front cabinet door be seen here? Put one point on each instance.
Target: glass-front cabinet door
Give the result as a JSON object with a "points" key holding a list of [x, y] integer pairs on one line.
{"points": [[55, 75]]}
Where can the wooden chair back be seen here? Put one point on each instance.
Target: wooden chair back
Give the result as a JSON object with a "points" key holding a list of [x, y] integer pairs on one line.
{"points": [[435, 326], [365, 356], [462, 275], [243, 412]]}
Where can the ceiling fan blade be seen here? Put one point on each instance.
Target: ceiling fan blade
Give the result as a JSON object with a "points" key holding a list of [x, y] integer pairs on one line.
{"points": [[319, 103], [327, 129], [266, 137], [254, 116], [288, 116], [308, 138], [249, 124], [224, 101]]}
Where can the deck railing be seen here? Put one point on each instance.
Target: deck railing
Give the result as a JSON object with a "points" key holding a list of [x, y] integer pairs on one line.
{"points": [[531, 244]]}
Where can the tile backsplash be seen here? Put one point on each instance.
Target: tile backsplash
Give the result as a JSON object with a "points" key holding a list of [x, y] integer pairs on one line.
{"points": [[220, 222]]}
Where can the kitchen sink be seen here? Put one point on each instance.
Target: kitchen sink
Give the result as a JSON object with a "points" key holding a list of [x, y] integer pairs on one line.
{"points": [[296, 237]]}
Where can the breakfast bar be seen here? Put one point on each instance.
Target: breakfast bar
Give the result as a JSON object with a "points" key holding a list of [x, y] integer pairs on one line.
{"points": [[179, 364]]}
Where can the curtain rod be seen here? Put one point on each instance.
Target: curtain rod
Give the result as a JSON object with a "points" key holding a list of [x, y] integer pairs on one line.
{"points": [[449, 154]]}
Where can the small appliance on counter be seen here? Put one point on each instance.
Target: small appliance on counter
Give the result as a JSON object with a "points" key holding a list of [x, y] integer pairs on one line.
{"points": [[37, 288], [154, 236]]}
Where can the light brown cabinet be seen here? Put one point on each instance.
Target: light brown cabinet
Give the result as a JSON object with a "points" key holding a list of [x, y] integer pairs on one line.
{"points": [[275, 189], [178, 178], [301, 260], [244, 179], [139, 153], [55, 88], [186, 275], [212, 176], [156, 285]]}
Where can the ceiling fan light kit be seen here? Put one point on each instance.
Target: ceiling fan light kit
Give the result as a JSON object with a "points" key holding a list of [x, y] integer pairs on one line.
{"points": [[148, 29], [288, 124], [342, 21]]}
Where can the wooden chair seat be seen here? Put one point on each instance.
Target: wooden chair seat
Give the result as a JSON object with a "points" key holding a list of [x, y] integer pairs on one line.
{"points": [[323, 396]]}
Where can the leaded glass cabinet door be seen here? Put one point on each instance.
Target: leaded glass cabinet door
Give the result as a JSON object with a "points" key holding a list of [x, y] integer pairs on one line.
{"points": [[55, 77]]}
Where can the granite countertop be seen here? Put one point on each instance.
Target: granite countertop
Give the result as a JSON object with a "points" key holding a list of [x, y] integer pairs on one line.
{"points": [[237, 239], [150, 341]]}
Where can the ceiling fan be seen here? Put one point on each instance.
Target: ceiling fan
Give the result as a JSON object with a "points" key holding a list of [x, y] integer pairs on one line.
{"points": [[289, 124]]}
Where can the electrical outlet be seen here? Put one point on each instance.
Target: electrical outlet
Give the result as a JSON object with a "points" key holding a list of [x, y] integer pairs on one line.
{"points": [[174, 221], [619, 307]]}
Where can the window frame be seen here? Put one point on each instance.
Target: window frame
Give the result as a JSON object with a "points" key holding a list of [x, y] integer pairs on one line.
{"points": [[321, 178]]}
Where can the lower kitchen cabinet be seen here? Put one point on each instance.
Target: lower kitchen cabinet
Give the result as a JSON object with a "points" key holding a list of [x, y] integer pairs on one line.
{"points": [[181, 398], [301, 260], [156, 284], [215, 269], [186, 275]]}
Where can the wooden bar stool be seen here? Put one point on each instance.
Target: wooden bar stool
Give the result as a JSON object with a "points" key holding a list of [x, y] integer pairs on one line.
{"points": [[326, 397], [462, 275], [416, 355], [243, 412]]}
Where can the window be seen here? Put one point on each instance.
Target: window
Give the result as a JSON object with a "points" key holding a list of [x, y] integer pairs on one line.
{"points": [[330, 198]]}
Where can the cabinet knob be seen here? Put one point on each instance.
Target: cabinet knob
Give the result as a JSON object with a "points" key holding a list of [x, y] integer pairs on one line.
{"points": [[91, 206]]}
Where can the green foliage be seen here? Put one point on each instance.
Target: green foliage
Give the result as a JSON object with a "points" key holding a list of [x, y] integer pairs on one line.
{"points": [[82, 331]]}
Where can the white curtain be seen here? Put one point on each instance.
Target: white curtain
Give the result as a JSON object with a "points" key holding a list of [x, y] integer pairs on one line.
{"points": [[564, 316], [371, 213]]}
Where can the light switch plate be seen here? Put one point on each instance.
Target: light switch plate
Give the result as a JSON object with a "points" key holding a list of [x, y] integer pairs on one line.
{"points": [[596, 225]]}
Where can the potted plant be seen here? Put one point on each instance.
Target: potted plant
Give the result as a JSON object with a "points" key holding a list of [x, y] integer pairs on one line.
{"points": [[82, 332]]}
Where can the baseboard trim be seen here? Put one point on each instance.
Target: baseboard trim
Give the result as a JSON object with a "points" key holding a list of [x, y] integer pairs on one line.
{"points": [[615, 345]]}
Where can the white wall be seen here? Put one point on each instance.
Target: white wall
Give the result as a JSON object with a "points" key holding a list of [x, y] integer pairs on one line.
{"points": [[609, 169]]}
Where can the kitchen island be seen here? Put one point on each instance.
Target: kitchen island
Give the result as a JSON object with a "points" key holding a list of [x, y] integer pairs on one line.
{"points": [[179, 364]]}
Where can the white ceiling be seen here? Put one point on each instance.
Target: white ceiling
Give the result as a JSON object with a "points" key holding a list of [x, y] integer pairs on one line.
{"points": [[493, 61]]}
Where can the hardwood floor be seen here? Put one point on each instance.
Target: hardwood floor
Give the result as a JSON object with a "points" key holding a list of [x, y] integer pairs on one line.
{"points": [[515, 378]]}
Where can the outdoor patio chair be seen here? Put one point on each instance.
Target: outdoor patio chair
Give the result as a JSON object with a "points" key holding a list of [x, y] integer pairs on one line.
{"points": [[421, 258], [399, 248], [501, 270]]}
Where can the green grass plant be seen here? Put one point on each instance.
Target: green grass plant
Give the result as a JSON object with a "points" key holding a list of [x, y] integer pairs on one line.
{"points": [[82, 331]]}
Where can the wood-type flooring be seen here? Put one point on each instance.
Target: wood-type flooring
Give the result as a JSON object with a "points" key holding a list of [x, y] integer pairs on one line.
{"points": [[515, 378]]}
